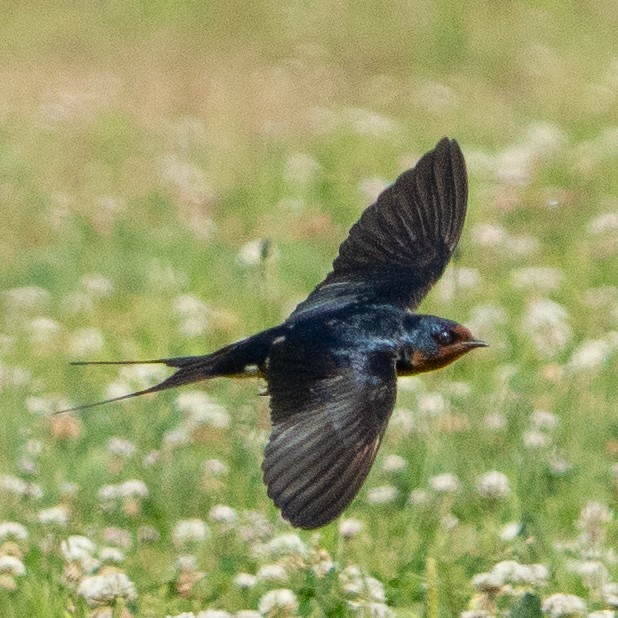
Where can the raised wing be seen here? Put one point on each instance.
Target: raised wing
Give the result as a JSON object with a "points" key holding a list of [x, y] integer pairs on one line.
{"points": [[329, 411], [402, 243]]}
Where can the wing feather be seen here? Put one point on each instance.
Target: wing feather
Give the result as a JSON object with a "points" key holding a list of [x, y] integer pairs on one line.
{"points": [[402, 243], [329, 412]]}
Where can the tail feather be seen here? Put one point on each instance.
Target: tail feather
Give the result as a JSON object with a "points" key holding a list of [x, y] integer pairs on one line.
{"points": [[187, 373], [231, 360]]}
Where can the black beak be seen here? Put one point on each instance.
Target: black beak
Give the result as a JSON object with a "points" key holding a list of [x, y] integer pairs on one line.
{"points": [[476, 343]]}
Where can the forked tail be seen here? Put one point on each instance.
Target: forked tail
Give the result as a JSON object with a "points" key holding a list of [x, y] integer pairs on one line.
{"points": [[232, 360]]}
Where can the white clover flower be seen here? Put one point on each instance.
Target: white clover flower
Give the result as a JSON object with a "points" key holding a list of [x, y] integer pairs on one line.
{"points": [[214, 613], [54, 516], [133, 488], [187, 563], [369, 123], [43, 329], [97, 284], [106, 589], [86, 341], [564, 606], [356, 584], [76, 548], [490, 235], [190, 531], [111, 555], [394, 463], [276, 601], [349, 528], [108, 493], [202, 410], [245, 581], [488, 582], [13, 531], [590, 355], [542, 419], [534, 439], [11, 565], [272, 573], [371, 187], [603, 223], [432, 404], [119, 537], [510, 531], [546, 323], [495, 421], [28, 298], [381, 495], [539, 278], [252, 252], [419, 497], [593, 573], [120, 447], [223, 514], [610, 594], [216, 467], [493, 485], [445, 483], [300, 168], [286, 545]]}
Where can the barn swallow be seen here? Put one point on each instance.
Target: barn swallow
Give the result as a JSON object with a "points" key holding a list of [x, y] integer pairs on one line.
{"points": [[331, 368]]}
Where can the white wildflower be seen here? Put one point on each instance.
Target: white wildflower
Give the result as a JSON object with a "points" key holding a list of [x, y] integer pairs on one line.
{"points": [[445, 483], [394, 463], [272, 573], [432, 404], [223, 514], [86, 341], [43, 329], [546, 322], [120, 447], [11, 565], [590, 355], [349, 528], [245, 580], [97, 284], [542, 419], [106, 589], [510, 531], [214, 613], [538, 278], [561, 605], [610, 594], [133, 488], [77, 547], [190, 531], [381, 495], [54, 516], [603, 223], [534, 439], [216, 467], [25, 299], [277, 602], [300, 168], [371, 188], [111, 555], [286, 545], [493, 485], [11, 530]]}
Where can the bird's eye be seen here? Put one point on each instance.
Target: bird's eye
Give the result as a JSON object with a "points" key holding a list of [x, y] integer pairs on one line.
{"points": [[444, 337]]}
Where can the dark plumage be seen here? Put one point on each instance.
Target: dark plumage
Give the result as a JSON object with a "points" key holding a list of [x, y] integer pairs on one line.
{"points": [[332, 366]]}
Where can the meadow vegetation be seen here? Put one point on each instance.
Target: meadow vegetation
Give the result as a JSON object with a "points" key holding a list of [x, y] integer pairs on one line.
{"points": [[174, 176]]}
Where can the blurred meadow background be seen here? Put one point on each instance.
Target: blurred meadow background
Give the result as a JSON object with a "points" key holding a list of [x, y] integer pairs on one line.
{"points": [[174, 176]]}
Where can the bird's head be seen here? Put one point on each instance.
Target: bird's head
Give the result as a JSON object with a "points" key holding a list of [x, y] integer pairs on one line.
{"points": [[434, 343]]}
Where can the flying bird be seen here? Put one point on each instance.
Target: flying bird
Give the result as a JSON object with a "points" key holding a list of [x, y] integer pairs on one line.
{"points": [[331, 367]]}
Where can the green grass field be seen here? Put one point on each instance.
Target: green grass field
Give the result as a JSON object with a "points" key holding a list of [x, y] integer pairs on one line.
{"points": [[174, 176]]}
